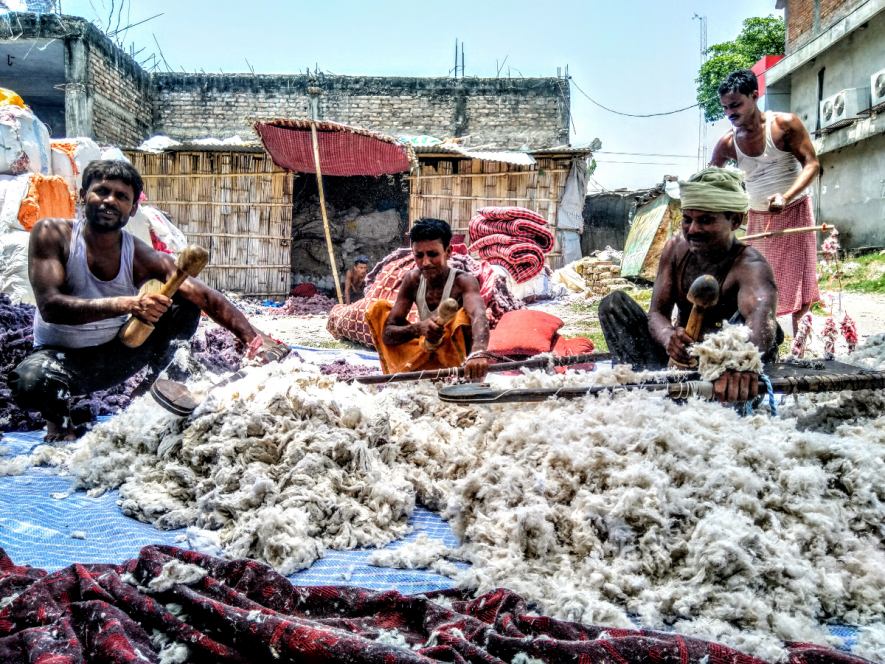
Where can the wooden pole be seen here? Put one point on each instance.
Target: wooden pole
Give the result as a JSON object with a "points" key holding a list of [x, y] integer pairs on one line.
{"points": [[316, 159], [789, 231]]}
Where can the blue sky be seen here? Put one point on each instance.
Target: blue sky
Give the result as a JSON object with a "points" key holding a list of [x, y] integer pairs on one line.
{"points": [[635, 56]]}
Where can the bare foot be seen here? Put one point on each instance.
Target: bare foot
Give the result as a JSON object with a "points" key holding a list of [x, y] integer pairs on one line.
{"points": [[56, 433]]}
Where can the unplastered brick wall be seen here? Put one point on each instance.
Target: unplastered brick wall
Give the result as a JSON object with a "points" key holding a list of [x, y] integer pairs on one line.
{"points": [[801, 14], [506, 113], [121, 96], [800, 23]]}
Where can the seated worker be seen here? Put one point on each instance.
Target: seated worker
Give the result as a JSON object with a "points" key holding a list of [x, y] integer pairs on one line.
{"points": [[713, 207], [355, 281], [400, 343], [86, 275]]}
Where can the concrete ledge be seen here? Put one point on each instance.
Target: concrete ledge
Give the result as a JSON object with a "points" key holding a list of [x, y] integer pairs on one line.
{"points": [[823, 41], [863, 129]]}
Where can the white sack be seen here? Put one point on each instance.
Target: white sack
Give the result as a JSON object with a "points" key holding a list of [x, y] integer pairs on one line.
{"points": [[24, 142], [13, 189], [86, 151], [14, 267]]}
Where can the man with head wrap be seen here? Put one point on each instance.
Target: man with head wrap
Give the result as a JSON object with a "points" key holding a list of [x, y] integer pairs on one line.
{"points": [[713, 206]]}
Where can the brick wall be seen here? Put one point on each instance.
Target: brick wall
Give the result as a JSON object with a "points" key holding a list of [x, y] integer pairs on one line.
{"points": [[800, 23], [507, 113], [801, 14], [121, 96]]}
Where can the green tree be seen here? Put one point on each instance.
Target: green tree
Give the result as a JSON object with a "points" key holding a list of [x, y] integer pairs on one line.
{"points": [[760, 36]]}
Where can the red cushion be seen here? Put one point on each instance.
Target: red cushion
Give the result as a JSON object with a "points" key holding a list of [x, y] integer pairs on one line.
{"points": [[577, 346], [524, 332]]}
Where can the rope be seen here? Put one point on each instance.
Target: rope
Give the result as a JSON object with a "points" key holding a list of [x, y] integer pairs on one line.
{"points": [[748, 406]]}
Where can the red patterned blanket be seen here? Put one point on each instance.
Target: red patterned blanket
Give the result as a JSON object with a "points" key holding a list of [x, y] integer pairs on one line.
{"points": [[241, 611]]}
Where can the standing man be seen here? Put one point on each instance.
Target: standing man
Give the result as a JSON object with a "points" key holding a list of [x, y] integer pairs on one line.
{"points": [[86, 275], [775, 152], [355, 281]]}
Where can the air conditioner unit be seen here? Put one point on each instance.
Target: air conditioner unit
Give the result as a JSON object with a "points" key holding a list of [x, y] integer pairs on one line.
{"points": [[877, 87], [844, 105]]}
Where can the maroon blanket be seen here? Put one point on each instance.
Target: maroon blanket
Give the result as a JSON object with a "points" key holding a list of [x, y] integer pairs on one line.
{"points": [[518, 229], [242, 611]]}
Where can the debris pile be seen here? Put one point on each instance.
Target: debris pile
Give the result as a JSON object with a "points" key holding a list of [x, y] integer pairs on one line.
{"points": [[601, 277]]}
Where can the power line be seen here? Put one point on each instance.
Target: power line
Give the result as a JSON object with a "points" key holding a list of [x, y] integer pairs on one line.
{"points": [[629, 115], [647, 163], [648, 154]]}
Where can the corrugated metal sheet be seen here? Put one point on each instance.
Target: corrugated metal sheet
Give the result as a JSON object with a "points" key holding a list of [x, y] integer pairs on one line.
{"points": [[503, 156]]}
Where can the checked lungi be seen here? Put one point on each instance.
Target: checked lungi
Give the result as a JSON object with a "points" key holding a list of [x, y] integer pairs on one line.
{"points": [[792, 257]]}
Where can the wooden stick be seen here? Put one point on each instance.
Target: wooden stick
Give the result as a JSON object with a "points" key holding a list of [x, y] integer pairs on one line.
{"points": [[473, 393], [316, 159], [789, 231], [439, 374]]}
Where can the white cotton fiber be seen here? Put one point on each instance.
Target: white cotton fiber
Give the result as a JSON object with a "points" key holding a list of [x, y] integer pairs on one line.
{"points": [[176, 572], [730, 349], [604, 510]]}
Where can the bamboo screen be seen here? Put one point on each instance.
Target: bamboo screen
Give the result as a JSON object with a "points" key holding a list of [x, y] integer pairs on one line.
{"points": [[236, 205], [453, 189]]}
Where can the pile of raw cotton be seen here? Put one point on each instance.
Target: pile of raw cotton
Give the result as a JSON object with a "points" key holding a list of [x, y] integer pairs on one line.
{"points": [[605, 510]]}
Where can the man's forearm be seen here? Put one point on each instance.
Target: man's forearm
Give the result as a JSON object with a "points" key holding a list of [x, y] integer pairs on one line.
{"points": [[69, 310], [660, 328], [395, 335], [803, 181], [220, 310]]}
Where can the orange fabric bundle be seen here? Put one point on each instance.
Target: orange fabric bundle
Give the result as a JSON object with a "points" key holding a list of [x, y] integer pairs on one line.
{"points": [[48, 196], [412, 356]]}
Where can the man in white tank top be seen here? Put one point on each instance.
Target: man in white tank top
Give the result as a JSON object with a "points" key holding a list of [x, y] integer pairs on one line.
{"points": [[427, 286], [86, 276], [775, 152]]}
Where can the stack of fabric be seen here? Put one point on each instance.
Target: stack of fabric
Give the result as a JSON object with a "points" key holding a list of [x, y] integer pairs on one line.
{"points": [[514, 238]]}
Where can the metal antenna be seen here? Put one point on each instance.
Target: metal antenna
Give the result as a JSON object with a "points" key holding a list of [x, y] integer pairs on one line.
{"points": [[702, 125]]}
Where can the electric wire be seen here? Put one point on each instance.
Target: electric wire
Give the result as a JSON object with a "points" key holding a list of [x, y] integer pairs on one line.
{"points": [[629, 115]]}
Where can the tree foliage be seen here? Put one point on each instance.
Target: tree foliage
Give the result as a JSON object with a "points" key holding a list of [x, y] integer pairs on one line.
{"points": [[760, 36]]}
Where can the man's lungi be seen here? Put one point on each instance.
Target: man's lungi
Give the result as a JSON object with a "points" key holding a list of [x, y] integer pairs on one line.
{"points": [[792, 257]]}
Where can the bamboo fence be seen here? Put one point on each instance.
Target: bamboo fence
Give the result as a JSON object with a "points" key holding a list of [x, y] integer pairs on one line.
{"points": [[453, 189], [237, 205]]}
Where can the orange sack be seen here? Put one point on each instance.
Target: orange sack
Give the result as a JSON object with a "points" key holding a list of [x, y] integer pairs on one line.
{"points": [[48, 196]]}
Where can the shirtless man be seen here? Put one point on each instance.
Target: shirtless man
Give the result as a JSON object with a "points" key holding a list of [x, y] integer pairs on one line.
{"points": [[86, 276], [713, 207], [776, 153], [428, 285], [355, 281]]}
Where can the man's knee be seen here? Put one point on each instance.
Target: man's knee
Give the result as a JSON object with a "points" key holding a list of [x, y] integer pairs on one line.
{"points": [[613, 304], [181, 320], [36, 380]]}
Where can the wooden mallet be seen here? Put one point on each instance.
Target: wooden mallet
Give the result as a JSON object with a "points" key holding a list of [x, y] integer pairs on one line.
{"points": [[191, 261], [447, 310], [703, 294]]}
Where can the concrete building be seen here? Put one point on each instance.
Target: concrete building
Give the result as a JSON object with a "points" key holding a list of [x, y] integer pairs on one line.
{"points": [[835, 45], [81, 84]]}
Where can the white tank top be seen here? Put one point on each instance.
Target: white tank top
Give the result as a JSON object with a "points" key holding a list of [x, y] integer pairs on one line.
{"points": [[80, 282], [421, 298], [772, 172]]}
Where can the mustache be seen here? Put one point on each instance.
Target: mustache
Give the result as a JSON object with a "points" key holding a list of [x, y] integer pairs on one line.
{"points": [[697, 238]]}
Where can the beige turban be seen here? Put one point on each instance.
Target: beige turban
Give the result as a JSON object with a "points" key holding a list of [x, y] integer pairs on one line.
{"points": [[715, 190]]}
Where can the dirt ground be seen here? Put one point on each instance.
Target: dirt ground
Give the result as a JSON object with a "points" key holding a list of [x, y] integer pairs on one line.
{"points": [[579, 318]]}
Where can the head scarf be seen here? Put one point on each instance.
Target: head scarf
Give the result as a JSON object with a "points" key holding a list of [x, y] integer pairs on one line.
{"points": [[715, 190]]}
